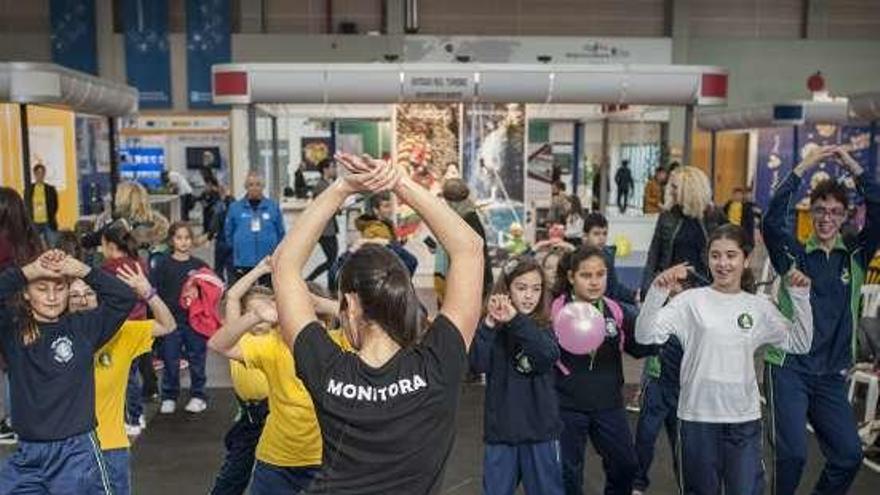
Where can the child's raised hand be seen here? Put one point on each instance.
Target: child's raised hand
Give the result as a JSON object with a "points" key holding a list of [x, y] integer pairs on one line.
{"points": [[265, 265], [47, 265], [501, 309], [797, 278], [72, 267], [135, 279], [265, 311], [672, 277]]}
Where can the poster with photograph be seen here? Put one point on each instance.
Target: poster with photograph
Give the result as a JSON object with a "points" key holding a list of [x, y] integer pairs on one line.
{"points": [[315, 150], [47, 148], [494, 164], [427, 146]]}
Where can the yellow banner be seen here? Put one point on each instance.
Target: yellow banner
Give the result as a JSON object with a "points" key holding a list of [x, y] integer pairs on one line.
{"points": [[52, 143], [10, 147]]}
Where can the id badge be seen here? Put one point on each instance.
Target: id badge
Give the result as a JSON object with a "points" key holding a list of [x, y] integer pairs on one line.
{"points": [[255, 223]]}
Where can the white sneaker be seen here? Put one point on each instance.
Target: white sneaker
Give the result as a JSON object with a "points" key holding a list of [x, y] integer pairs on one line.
{"points": [[168, 406], [142, 422], [132, 430], [196, 405]]}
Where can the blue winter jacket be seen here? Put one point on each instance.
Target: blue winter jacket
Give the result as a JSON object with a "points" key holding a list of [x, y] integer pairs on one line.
{"points": [[252, 233]]}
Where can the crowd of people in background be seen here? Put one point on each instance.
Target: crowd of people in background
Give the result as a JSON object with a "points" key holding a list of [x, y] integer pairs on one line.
{"points": [[352, 386]]}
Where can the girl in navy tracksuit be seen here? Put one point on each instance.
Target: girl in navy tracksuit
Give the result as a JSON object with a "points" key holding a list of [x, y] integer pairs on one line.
{"points": [[590, 386], [516, 348], [50, 354]]}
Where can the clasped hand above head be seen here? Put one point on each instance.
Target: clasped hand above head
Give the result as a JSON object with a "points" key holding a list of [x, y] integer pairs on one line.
{"points": [[367, 174], [55, 263], [820, 154]]}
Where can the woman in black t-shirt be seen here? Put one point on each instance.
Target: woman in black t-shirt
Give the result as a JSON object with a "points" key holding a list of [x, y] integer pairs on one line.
{"points": [[387, 411]]}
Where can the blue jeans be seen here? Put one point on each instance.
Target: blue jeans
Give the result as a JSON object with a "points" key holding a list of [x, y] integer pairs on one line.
{"points": [[537, 465], [795, 398], [271, 480], [659, 408], [241, 445], [73, 466], [193, 346], [721, 455], [610, 434], [119, 470]]}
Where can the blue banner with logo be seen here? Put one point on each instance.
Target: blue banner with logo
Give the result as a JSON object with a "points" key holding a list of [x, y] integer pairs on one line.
{"points": [[73, 34], [147, 55], [208, 28], [144, 165]]}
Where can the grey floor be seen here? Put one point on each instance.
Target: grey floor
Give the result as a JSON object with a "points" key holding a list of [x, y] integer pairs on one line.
{"points": [[182, 453]]}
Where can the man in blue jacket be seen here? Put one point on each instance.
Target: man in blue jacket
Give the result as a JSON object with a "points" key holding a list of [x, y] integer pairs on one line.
{"points": [[254, 227], [812, 387]]}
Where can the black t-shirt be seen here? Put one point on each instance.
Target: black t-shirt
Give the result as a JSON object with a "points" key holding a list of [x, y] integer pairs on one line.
{"points": [[386, 430], [52, 380], [168, 277]]}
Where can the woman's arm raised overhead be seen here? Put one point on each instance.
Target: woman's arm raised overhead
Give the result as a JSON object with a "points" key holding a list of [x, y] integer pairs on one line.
{"points": [[295, 306], [464, 280]]}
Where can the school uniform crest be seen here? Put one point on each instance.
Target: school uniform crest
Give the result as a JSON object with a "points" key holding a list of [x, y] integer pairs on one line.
{"points": [[745, 321], [610, 327], [62, 350], [845, 276], [105, 360]]}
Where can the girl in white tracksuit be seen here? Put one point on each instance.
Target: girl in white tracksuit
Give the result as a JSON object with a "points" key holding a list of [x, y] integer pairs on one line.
{"points": [[720, 327]]}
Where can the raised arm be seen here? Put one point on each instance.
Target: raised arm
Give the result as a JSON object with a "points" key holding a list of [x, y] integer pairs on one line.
{"points": [[164, 320], [795, 335], [295, 307], [869, 236], [655, 322], [782, 246], [464, 247], [225, 341], [235, 293]]}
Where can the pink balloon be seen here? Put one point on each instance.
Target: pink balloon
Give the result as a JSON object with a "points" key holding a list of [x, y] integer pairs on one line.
{"points": [[580, 327]]}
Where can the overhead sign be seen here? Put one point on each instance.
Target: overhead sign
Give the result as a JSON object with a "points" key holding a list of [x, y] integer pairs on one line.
{"points": [[438, 86]]}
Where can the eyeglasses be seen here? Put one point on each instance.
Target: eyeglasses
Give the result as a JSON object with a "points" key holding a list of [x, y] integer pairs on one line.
{"points": [[81, 295], [834, 213]]}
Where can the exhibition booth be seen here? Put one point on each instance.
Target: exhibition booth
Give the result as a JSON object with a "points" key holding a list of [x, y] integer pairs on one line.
{"points": [[508, 129]]}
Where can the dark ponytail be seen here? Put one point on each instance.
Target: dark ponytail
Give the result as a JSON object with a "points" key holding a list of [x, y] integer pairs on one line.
{"points": [[736, 234], [386, 293], [119, 234]]}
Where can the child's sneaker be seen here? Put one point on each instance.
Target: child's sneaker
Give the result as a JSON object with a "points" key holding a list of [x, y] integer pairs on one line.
{"points": [[7, 436], [133, 431], [196, 405], [168, 406]]}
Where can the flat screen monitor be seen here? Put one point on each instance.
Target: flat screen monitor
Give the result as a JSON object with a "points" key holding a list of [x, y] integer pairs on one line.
{"points": [[202, 156]]}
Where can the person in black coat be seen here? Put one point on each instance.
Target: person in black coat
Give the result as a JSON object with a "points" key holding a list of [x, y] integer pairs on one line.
{"points": [[684, 226], [41, 200], [625, 185]]}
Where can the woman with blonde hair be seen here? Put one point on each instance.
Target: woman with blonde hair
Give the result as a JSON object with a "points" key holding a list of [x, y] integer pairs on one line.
{"points": [[687, 218], [132, 203]]}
